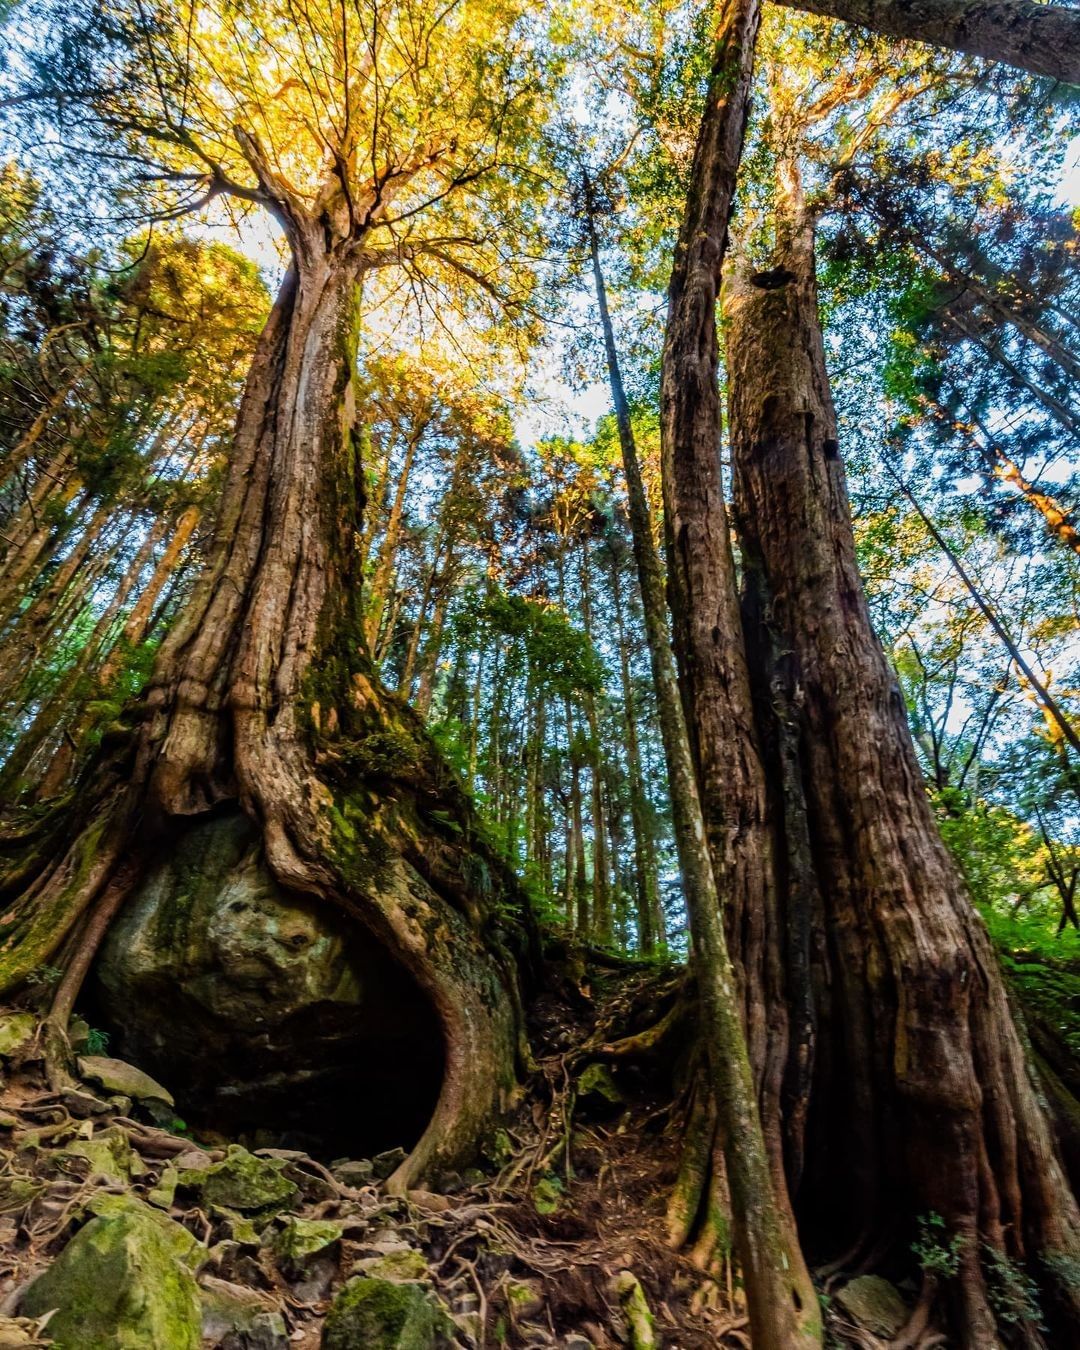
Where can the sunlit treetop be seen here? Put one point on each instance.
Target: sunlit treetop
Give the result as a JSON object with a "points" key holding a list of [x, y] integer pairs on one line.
{"points": [[381, 132]]}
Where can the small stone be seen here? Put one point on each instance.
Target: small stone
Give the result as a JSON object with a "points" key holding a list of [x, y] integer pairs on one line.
{"points": [[434, 1204], [302, 1238], [8, 1121], [164, 1193], [78, 1034], [108, 1153], [384, 1163], [547, 1194], [240, 1318], [353, 1172], [875, 1304], [242, 1181], [597, 1088], [17, 1192], [83, 1105], [194, 1160], [373, 1314], [404, 1266], [16, 1030], [118, 1285], [115, 1075], [237, 1227], [524, 1297]]}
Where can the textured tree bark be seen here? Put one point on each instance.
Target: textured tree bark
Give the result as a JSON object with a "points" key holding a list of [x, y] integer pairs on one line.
{"points": [[708, 641], [263, 696], [921, 1099], [1044, 39]]}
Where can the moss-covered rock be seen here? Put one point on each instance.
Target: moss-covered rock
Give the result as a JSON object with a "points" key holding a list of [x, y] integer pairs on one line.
{"points": [[302, 1238], [109, 1154], [404, 1266], [875, 1304], [370, 1314], [246, 1183], [17, 1192], [16, 1030], [116, 1205], [119, 1285], [597, 1088]]}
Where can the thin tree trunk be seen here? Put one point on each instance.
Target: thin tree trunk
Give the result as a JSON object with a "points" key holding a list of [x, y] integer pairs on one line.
{"points": [[650, 917], [1052, 708], [601, 907], [137, 622], [384, 568]]}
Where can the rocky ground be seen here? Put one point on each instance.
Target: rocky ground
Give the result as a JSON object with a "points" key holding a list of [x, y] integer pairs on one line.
{"points": [[119, 1229]]}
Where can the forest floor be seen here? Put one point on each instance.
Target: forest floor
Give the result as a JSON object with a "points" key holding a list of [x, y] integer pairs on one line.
{"points": [[531, 1251]]}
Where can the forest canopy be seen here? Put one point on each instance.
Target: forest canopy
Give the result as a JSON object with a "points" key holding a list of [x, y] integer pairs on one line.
{"points": [[569, 505]]}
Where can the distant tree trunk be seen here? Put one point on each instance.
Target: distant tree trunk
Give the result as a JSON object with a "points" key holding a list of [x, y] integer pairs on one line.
{"points": [[263, 697], [650, 915], [601, 906], [60, 708], [28, 634], [1051, 708], [1042, 38], [384, 567], [33, 536], [921, 1097], [989, 339]]}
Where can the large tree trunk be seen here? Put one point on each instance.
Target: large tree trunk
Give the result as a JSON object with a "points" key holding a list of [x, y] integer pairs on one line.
{"points": [[708, 640], [921, 1099], [263, 696], [1044, 39]]}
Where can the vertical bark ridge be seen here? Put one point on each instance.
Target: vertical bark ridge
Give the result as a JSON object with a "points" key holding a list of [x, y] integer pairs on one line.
{"points": [[921, 1092]]}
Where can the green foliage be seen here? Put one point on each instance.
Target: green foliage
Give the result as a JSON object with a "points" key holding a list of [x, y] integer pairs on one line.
{"points": [[1013, 1294], [97, 1042], [937, 1252], [44, 976]]}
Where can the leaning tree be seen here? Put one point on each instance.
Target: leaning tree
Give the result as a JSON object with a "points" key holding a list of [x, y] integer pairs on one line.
{"points": [[376, 137]]}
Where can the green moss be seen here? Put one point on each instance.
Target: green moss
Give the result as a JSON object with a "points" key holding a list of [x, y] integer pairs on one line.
{"points": [[371, 1314], [25, 948], [246, 1183], [118, 1285], [301, 1238], [120, 1204], [15, 1030]]}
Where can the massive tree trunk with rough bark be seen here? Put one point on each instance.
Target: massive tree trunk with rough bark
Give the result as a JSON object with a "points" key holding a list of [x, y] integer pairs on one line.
{"points": [[264, 700], [1044, 39], [707, 630], [920, 1098]]}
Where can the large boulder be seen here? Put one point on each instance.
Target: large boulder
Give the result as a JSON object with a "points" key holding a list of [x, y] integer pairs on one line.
{"points": [[119, 1284], [266, 1014]]}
